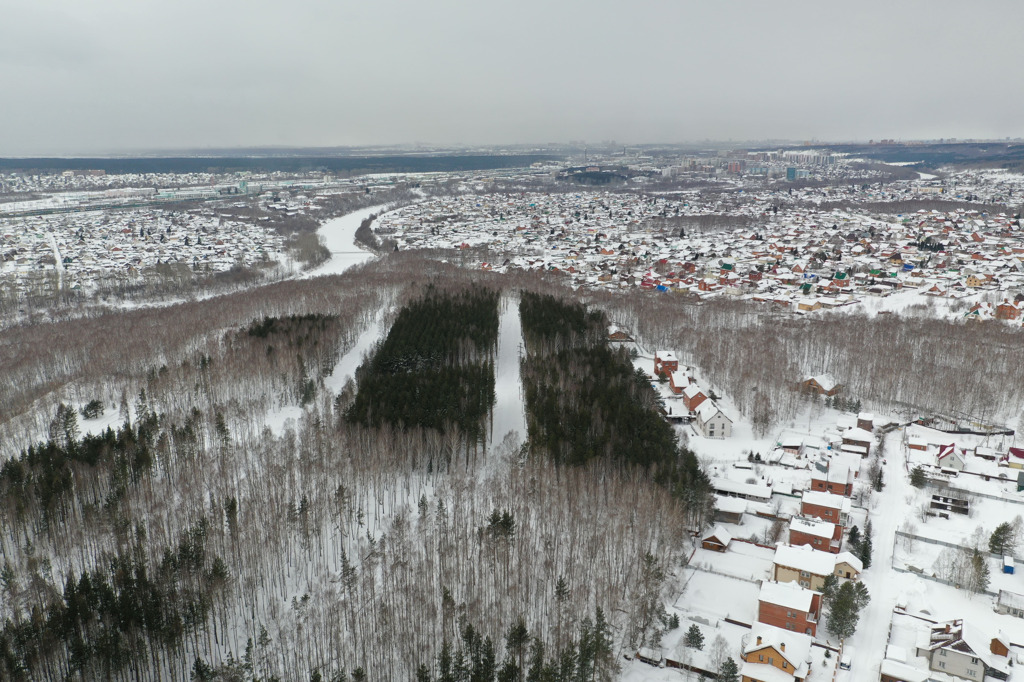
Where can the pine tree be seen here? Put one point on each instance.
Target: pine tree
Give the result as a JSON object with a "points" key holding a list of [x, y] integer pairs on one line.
{"points": [[850, 598], [729, 672], [1001, 541], [917, 477], [694, 637]]}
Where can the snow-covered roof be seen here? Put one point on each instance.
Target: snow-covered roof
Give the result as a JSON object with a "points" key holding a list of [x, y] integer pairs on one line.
{"points": [[829, 500], [858, 434], [1011, 599], [720, 534], [848, 558], [794, 646], [826, 381], [761, 492], [708, 409], [902, 671], [815, 527], [790, 595], [838, 473], [732, 505], [805, 558], [692, 390]]}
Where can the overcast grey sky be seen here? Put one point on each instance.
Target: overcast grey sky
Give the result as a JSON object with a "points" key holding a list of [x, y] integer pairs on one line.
{"points": [[113, 75]]}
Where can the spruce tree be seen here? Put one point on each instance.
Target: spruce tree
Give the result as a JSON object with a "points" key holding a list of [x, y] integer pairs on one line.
{"points": [[729, 672], [865, 546], [1001, 541], [694, 637]]}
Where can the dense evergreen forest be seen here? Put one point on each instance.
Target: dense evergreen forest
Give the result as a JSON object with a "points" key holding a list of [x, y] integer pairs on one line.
{"points": [[435, 369], [586, 401]]}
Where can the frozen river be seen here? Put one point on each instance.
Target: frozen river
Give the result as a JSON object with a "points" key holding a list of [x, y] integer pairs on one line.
{"points": [[339, 236]]}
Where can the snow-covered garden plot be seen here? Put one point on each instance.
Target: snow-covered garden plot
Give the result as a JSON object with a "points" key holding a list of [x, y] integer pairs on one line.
{"points": [[717, 597], [953, 565], [742, 560], [923, 518]]}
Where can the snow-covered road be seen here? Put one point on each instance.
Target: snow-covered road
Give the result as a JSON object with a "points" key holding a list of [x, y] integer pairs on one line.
{"points": [[888, 511]]}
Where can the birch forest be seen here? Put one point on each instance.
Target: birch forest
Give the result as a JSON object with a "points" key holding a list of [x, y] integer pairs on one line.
{"points": [[197, 491]]}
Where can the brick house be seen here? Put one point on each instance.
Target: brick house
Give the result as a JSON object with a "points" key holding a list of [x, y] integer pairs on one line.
{"points": [[825, 506], [857, 441], [818, 534], [836, 479], [665, 361], [693, 397], [789, 607], [1007, 311]]}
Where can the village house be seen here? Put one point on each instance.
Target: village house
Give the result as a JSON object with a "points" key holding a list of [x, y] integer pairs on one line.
{"points": [[837, 478], [1010, 603], [857, 441], [665, 361], [808, 567], [747, 491], [1014, 458], [773, 654], [826, 506], [693, 397], [823, 384], [712, 422], [962, 650], [729, 509], [790, 607], [949, 457], [815, 533], [717, 540]]}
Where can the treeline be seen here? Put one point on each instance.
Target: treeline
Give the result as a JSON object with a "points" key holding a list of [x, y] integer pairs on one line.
{"points": [[435, 368], [77, 357], [585, 401], [906, 363], [907, 206]]}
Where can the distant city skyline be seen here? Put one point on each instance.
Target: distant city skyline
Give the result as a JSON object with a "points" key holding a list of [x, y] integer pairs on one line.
{"points": [[122, 77]]}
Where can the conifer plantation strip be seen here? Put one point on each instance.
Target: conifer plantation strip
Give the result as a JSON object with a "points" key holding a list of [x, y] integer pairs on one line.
{"points": [[435, 369], [586, 401]]}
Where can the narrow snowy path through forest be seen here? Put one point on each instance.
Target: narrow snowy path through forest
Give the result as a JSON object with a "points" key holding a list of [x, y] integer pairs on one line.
{"points": [[508, 414], [350, 361]]}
